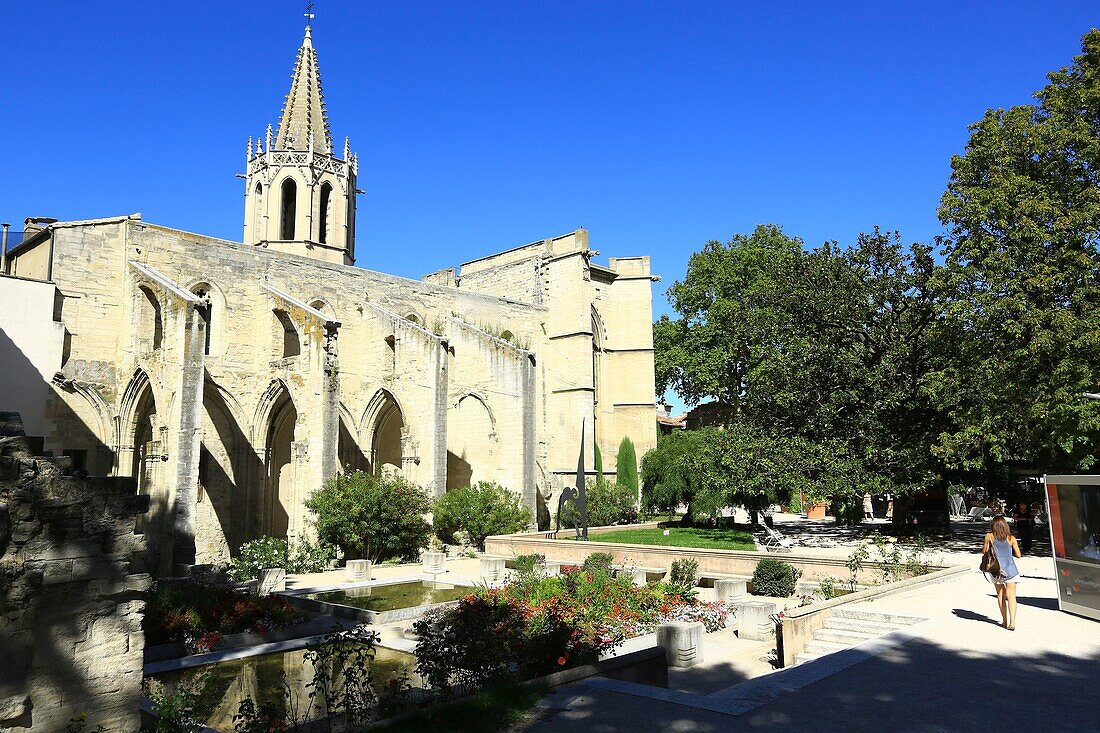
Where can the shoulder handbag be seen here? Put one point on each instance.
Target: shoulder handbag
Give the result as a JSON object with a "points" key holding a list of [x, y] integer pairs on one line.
{"points": [[990, 564]]}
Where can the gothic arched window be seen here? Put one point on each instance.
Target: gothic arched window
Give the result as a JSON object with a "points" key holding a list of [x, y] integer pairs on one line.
{"points": [[326, 204], [258, 214], [289, 205]]}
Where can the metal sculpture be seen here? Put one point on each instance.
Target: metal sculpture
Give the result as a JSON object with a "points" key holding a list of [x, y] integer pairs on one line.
{"points": [[575, 497]]}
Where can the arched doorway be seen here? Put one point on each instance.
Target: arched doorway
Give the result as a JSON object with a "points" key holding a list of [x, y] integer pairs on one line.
{"points": [[147, 472], [279, 480], [386, 440]]}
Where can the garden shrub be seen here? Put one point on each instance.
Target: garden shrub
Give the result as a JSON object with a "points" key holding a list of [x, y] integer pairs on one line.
{"points": [[599, 562], [481, 511], [296, 556], [372, 517], [774, 578], [526, 564], [610, 503], [684, 573], [470, 645]]}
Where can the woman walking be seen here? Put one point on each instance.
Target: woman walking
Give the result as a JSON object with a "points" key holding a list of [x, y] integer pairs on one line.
{"points": [[1004, 546], [868, 507]]}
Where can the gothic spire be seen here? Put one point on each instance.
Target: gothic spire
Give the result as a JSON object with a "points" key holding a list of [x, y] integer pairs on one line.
{"points": [[304, 118]]}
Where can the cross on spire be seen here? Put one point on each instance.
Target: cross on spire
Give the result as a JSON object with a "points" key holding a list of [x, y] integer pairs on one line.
{"points": [[309, 14]]}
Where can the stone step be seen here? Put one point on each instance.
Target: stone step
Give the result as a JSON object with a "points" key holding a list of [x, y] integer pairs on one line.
{"points": [[878, 616], [847, 638], [838, 623], [804, 657], [824, 647]]}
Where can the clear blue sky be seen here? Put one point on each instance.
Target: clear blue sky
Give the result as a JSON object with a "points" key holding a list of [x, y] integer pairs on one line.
{"points": [[481, 126]]}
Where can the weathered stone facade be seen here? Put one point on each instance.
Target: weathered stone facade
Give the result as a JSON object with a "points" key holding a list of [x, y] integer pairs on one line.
{"points": [[230, 380], [70, 609]]}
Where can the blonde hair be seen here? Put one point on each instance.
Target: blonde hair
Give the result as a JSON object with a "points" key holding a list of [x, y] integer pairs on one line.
{"points": [[999, 528]]}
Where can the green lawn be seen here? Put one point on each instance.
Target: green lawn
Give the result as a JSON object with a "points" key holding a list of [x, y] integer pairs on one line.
{"points": [[708, 538]]}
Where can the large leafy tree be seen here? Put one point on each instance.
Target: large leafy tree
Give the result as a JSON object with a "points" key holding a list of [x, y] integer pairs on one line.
{"points": [[1020, 289], [725, 323], [820, 353]]}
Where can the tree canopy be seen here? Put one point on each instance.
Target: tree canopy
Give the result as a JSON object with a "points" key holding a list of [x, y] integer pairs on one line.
{"points": [[1019, 292], [872, 366]]}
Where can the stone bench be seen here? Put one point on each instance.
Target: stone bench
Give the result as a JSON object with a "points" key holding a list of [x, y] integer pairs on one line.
{"points": [[707, 580]]}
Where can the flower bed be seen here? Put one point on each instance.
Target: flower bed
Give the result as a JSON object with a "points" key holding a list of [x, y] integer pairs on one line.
{"points": [[200, 616], [539, 624]]}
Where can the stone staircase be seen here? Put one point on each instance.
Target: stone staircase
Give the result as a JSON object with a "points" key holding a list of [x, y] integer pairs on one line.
{"points": [[850, 626]]}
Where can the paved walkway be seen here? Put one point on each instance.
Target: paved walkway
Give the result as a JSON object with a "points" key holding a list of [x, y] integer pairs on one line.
{"points": [[958, 671]]}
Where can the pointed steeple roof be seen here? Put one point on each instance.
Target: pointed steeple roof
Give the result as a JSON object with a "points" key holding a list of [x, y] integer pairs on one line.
{"points": [[304, 116]]}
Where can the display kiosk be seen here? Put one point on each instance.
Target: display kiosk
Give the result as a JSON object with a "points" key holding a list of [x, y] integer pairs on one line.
{"points": [[1073, 505]]}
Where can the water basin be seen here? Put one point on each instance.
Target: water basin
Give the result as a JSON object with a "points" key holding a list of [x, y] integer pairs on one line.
{"points": [[394, 596], [274, 681], [381, 603]]}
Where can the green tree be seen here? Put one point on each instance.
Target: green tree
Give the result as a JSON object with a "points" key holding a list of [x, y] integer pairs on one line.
{"points": [[820, 352], [626, 466], [671, 472], [372, 517], [482, 510], [725, 316], [1020, 290], [597, 460]]}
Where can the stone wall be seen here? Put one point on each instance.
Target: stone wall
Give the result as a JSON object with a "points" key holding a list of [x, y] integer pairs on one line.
{"points": [[70, 610], [231, 381]]}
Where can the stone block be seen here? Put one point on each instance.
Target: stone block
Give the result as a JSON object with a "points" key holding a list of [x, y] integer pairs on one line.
{"points": [[492, 568], [754, 620], [433, 562], [730, 590], [272, 580], [12, 708], [358, 570], [682, 642]]}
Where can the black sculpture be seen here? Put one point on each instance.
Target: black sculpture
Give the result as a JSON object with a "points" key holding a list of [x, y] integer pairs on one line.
{"points": [[575, 497]]}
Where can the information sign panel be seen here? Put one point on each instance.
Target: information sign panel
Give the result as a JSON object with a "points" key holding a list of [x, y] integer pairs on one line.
{"points": [[1073, 506]]}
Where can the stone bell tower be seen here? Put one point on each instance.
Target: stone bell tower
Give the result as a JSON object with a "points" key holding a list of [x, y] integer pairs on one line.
{"points": [[299, 196]]}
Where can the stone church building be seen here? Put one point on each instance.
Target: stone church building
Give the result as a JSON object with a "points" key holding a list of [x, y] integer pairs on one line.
{"points": [[231, 379]]}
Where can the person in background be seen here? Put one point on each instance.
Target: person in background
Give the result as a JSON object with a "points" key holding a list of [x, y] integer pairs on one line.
{"points": [[1024, 519], [1000, 539], [868, 508]]}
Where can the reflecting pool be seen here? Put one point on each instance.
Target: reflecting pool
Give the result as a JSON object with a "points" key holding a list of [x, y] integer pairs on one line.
{"points": [[395, 595], [274, 681]]}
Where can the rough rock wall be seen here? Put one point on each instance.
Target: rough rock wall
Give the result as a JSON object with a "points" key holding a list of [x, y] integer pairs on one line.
{"points": [[70, 611]]}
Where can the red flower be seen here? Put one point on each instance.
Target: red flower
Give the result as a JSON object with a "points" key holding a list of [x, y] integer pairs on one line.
{"points": [[562, 660]]}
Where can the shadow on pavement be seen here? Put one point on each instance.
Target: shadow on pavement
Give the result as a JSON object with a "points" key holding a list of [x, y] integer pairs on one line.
{"points": [[921, 687], [706, 679], [972, 616]]}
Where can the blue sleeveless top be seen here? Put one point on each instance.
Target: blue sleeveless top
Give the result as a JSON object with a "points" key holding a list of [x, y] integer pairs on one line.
{"points": [[1003, 550]]}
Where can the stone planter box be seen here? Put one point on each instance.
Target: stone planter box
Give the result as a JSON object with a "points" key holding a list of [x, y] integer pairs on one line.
{"points": [[313, 627]]}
